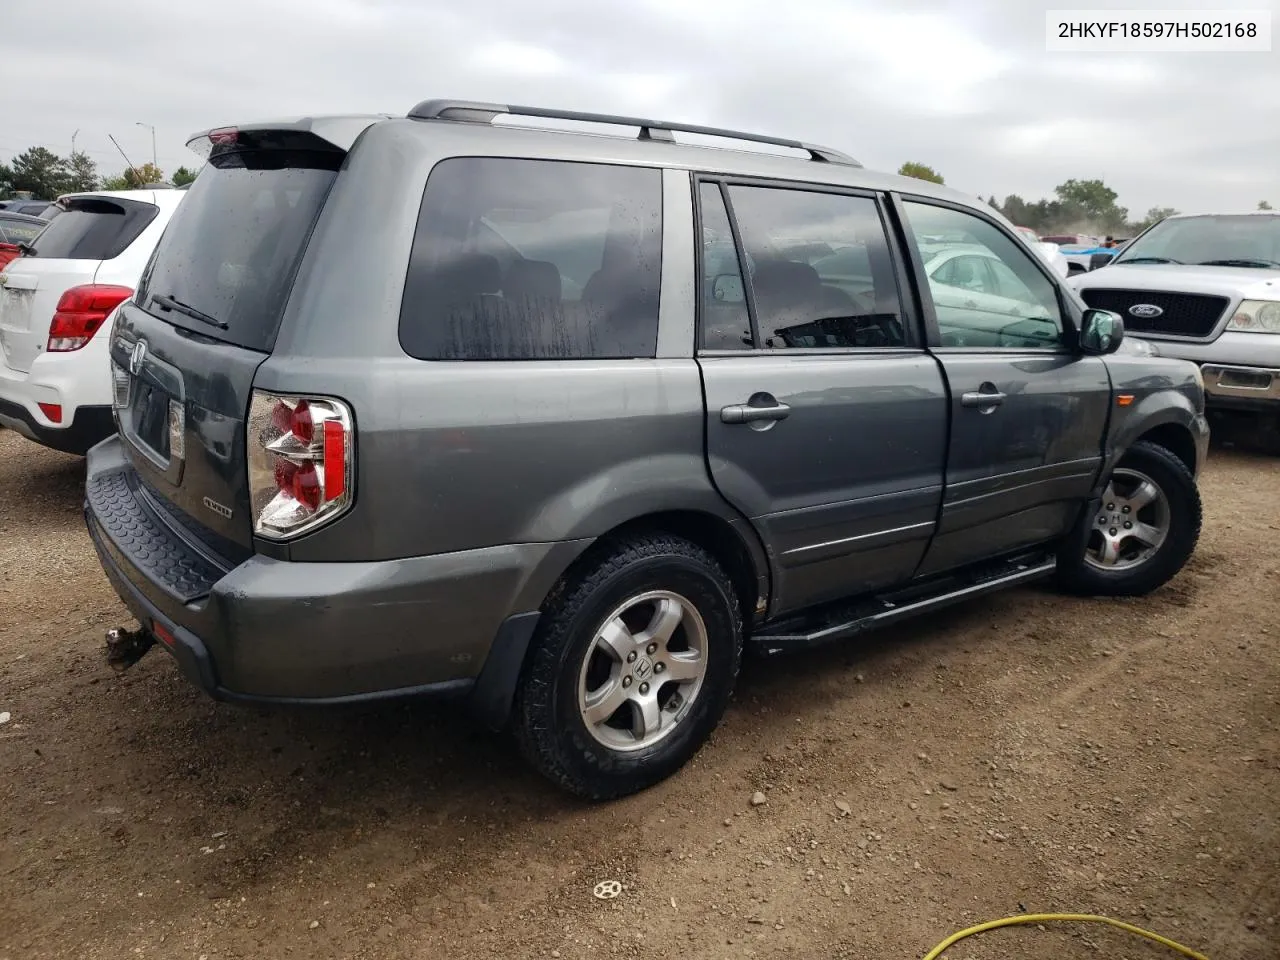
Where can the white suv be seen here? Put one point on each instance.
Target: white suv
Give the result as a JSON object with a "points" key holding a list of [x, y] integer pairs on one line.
{"points": [[55, 379]]}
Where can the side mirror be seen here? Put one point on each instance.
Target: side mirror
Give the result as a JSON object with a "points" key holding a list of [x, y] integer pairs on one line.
{"points": [[1101, 332], [727, 288], [1098, 260]]}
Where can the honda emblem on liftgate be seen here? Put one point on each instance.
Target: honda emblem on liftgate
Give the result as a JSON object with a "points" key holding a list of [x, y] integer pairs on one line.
{"points": [[137, 357]]}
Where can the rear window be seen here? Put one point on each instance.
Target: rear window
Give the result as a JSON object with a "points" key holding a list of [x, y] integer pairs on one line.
{"points": [[94, 228], [234, 244], [534, 259]]}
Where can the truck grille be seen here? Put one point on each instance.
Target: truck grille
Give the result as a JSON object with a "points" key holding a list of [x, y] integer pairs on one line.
{"points": [[1185, 314]]}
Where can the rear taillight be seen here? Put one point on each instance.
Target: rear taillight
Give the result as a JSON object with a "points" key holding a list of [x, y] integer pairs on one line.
{"points": [[80, 312], [301, 462], [8, 253]]}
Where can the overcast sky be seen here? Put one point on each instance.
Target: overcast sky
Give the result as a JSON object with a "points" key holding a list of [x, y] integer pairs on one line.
{"points": [[965, 86]]}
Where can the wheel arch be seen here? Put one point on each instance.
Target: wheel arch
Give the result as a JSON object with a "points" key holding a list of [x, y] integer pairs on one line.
{"points": [[1177, 439], [733, 543]]}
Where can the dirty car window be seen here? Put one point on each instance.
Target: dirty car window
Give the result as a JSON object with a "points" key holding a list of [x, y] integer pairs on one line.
{"points": [[533, 259]]}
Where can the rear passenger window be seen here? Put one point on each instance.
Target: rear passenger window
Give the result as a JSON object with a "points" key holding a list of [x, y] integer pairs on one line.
{"points": [[820, 271], [534, 260]]}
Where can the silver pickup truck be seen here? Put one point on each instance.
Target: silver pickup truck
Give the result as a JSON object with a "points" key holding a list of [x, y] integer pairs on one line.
{"points": [[1206, 289]]}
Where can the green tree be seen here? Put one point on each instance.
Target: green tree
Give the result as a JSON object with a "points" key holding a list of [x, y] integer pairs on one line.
{"points": [[6, 182], [920, 172], [1015, 209], [141, 176], [1263, 205], [82, 172], [1094, 200], [41, 171], [117, 182], [182, 176], [1154, 216]]}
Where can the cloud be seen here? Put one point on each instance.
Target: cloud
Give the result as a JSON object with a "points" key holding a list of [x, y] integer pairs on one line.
{"points": [[962, 85]]}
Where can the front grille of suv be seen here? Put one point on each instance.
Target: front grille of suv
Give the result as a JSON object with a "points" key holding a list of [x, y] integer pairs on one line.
{"points": [[1185, 314]]}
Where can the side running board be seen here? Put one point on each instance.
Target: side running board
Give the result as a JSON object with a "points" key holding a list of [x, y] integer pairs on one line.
{"points": [[845, 620]]}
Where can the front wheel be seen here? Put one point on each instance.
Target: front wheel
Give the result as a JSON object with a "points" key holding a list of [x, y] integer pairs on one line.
{"points": [[631, 669], [1144, 531]]}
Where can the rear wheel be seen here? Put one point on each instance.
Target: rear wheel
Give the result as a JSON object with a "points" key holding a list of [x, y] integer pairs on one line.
{"points": [[632, 668], [1145, 529]]}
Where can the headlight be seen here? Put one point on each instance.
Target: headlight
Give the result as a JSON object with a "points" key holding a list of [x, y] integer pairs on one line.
{"points": [[1256, 316]]}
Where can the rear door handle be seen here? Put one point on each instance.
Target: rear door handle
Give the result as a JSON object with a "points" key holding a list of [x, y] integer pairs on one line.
{"points": [[746, 413], [980, 399]]}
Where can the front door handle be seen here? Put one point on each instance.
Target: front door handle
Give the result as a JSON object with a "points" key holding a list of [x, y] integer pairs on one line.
{"points": [[982, 399], [748, 413]]}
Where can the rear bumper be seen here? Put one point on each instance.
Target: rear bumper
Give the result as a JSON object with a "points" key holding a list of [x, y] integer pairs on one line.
{"points": [[79, 382], [88, 426], [274, 631]]}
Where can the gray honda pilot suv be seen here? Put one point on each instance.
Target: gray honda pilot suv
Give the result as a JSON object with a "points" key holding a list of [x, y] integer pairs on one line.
{"points": [[559, 423]]}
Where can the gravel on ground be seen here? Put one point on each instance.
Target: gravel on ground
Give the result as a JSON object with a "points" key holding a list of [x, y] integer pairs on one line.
{"points": [[1027, 752]]}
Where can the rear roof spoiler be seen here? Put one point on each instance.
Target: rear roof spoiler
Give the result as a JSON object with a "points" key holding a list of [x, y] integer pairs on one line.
{"points": [[336, 131]]}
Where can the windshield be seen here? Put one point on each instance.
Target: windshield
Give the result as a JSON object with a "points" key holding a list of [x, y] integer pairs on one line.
{"points": [[1245, 240]]}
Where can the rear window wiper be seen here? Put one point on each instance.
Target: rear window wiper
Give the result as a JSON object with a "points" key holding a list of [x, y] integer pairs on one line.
{"points": [[169, 303], [1148, 260], [1240, 262]]}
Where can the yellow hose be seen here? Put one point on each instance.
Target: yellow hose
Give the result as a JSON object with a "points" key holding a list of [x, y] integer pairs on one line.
{"points": [[1058, 918]]}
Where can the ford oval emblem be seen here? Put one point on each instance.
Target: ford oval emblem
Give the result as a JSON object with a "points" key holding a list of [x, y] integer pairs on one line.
{"points": [[1148, 311]]}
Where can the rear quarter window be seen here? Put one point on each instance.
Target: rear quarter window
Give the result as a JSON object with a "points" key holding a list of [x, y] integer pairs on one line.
{"points": [[94, 228], [534, 260]]}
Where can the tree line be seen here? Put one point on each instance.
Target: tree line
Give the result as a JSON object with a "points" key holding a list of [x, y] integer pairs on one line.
{"points": [[46, 175], [1078, 206]]}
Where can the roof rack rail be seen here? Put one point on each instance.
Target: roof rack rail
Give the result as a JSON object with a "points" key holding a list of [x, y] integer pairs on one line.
{"points": [[475, 112]]}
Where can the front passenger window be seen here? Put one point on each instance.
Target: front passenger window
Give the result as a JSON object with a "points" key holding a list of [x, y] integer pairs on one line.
{"points": [[987, 290]]}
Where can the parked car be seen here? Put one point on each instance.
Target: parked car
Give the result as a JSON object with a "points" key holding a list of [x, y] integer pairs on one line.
{"points": [[55, 380], [17, 229], [1206, 289], [1073, 240], [46, 209], [1051, 252], [431, 405]]}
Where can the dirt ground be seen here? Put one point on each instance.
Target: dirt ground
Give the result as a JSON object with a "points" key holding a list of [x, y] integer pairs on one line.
{"points": [[1026, 752]]}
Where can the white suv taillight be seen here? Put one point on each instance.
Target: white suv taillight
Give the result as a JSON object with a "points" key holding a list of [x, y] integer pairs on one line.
{"points": [[301, 462]]}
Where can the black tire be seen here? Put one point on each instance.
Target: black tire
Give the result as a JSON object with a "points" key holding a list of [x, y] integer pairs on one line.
{"points": [[1077, 575], [547, 721]]}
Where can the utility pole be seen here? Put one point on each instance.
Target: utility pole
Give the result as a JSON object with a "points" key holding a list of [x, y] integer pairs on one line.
{"points": [[73, 141], [154, 162]]}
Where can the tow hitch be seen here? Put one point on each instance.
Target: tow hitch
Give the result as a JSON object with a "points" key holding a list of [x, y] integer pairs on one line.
{"points": [[127, 647]]}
